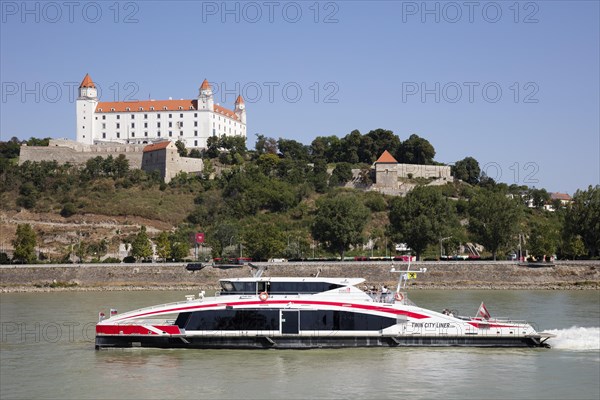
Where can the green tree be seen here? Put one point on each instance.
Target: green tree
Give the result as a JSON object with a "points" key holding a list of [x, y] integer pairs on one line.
{"points": [[583, 218], [416, 150], [319, 176], [121, 166], [24, 244], [421, 218], [339, 222], [141, 248], [494, 219], [181, 150], [375, 143], [539, 197], [292, 149], [544, 238], [325, 149], [467, 170], [341, 174], [265, 145], [180, 250], [163, 246], [266, 241]]}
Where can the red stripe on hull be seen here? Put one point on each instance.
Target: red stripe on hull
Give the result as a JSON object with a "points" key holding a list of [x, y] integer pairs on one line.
{"points": [[135, 329], [299, 302]]}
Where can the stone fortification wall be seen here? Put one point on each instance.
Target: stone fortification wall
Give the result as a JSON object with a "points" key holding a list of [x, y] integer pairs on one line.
{"points": [[440, 275], [67, 151]]}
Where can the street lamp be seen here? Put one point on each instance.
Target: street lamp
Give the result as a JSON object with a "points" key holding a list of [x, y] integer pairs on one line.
{"points": [[441, 248]]}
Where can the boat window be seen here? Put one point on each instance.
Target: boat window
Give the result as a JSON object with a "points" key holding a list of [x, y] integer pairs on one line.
{"points": [[302, 287], [182, 319], [239, 287], [233, 320], [326, 320]]}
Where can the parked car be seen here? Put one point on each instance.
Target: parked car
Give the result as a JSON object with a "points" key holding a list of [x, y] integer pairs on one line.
{"points": [[194, 266], [277, 260]]}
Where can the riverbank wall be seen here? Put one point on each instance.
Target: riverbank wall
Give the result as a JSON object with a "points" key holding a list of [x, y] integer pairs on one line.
{"points": [[438, 275]]}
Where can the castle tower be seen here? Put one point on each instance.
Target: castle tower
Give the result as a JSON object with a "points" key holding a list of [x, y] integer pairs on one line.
{"points": [[240, 109], [205, 97], [86, 107]]}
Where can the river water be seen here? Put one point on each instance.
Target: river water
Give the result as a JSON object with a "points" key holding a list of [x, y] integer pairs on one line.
{"points": [[47, 351]]}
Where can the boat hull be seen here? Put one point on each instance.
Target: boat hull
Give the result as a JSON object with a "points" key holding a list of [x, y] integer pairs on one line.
{"points": [[296, 342]]}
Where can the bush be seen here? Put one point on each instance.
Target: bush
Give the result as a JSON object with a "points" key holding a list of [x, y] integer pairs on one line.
{"points": [[111, 260], [129, 259], [68, 210]]}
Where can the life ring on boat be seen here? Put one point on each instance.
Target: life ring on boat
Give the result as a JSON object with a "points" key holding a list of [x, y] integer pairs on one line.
{"points": [[398, 296], [263, 296]]}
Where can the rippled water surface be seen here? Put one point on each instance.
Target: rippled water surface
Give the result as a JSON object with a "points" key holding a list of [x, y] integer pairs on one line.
{"points": [[46, 351]]}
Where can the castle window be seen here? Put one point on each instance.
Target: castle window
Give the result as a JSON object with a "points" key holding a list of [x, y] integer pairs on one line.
{"points": [[180, 133], [99, 110], [127, 109], [146, 134], [133, 124], [141, 108], [180, 115], [170, 124], [191, 107], [158, 116], [103, 135], [145, 116], [158, 133], [195, 115], [195, 143], [145, 124], [112, 109], [195, 133], [151, 108], [165, 108], [180, 124], [170, 133], [132, 134], [181, 108], [132, 116], [103, 126], [118, 116], [158, 124], [195, 123], [118, 125], [118, 135], [170, 115], [104, 117]]}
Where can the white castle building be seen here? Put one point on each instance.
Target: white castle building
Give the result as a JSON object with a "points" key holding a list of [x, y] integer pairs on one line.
{"points": [[191, 121]]}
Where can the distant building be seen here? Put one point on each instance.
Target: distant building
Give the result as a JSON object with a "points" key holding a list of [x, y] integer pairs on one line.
{"points": [[163, 157], [564, 199], [191, 121], [389, 172]]}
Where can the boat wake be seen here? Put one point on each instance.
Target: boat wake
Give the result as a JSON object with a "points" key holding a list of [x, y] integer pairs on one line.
{"points": [[575, 338]]}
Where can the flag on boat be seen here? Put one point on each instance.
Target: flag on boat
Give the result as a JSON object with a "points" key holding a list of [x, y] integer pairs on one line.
{"points": [[412, 275], [483, 312]]}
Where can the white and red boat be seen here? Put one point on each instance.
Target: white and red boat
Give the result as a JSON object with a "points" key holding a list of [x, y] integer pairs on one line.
{"points": [[301, 313]]}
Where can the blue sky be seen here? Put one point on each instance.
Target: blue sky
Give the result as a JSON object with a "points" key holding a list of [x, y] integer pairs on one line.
{"points": [[513, 84]]}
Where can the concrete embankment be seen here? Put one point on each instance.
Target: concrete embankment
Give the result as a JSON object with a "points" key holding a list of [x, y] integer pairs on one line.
{"points": [[439, 275]]}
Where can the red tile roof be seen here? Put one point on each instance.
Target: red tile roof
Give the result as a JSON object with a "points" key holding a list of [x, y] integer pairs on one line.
{"points": [[157, 146], [159, 105], [225, 111], [560, 196], [87, 82], [145, 106], [205, 85], [239, 100], [387, 158]]}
